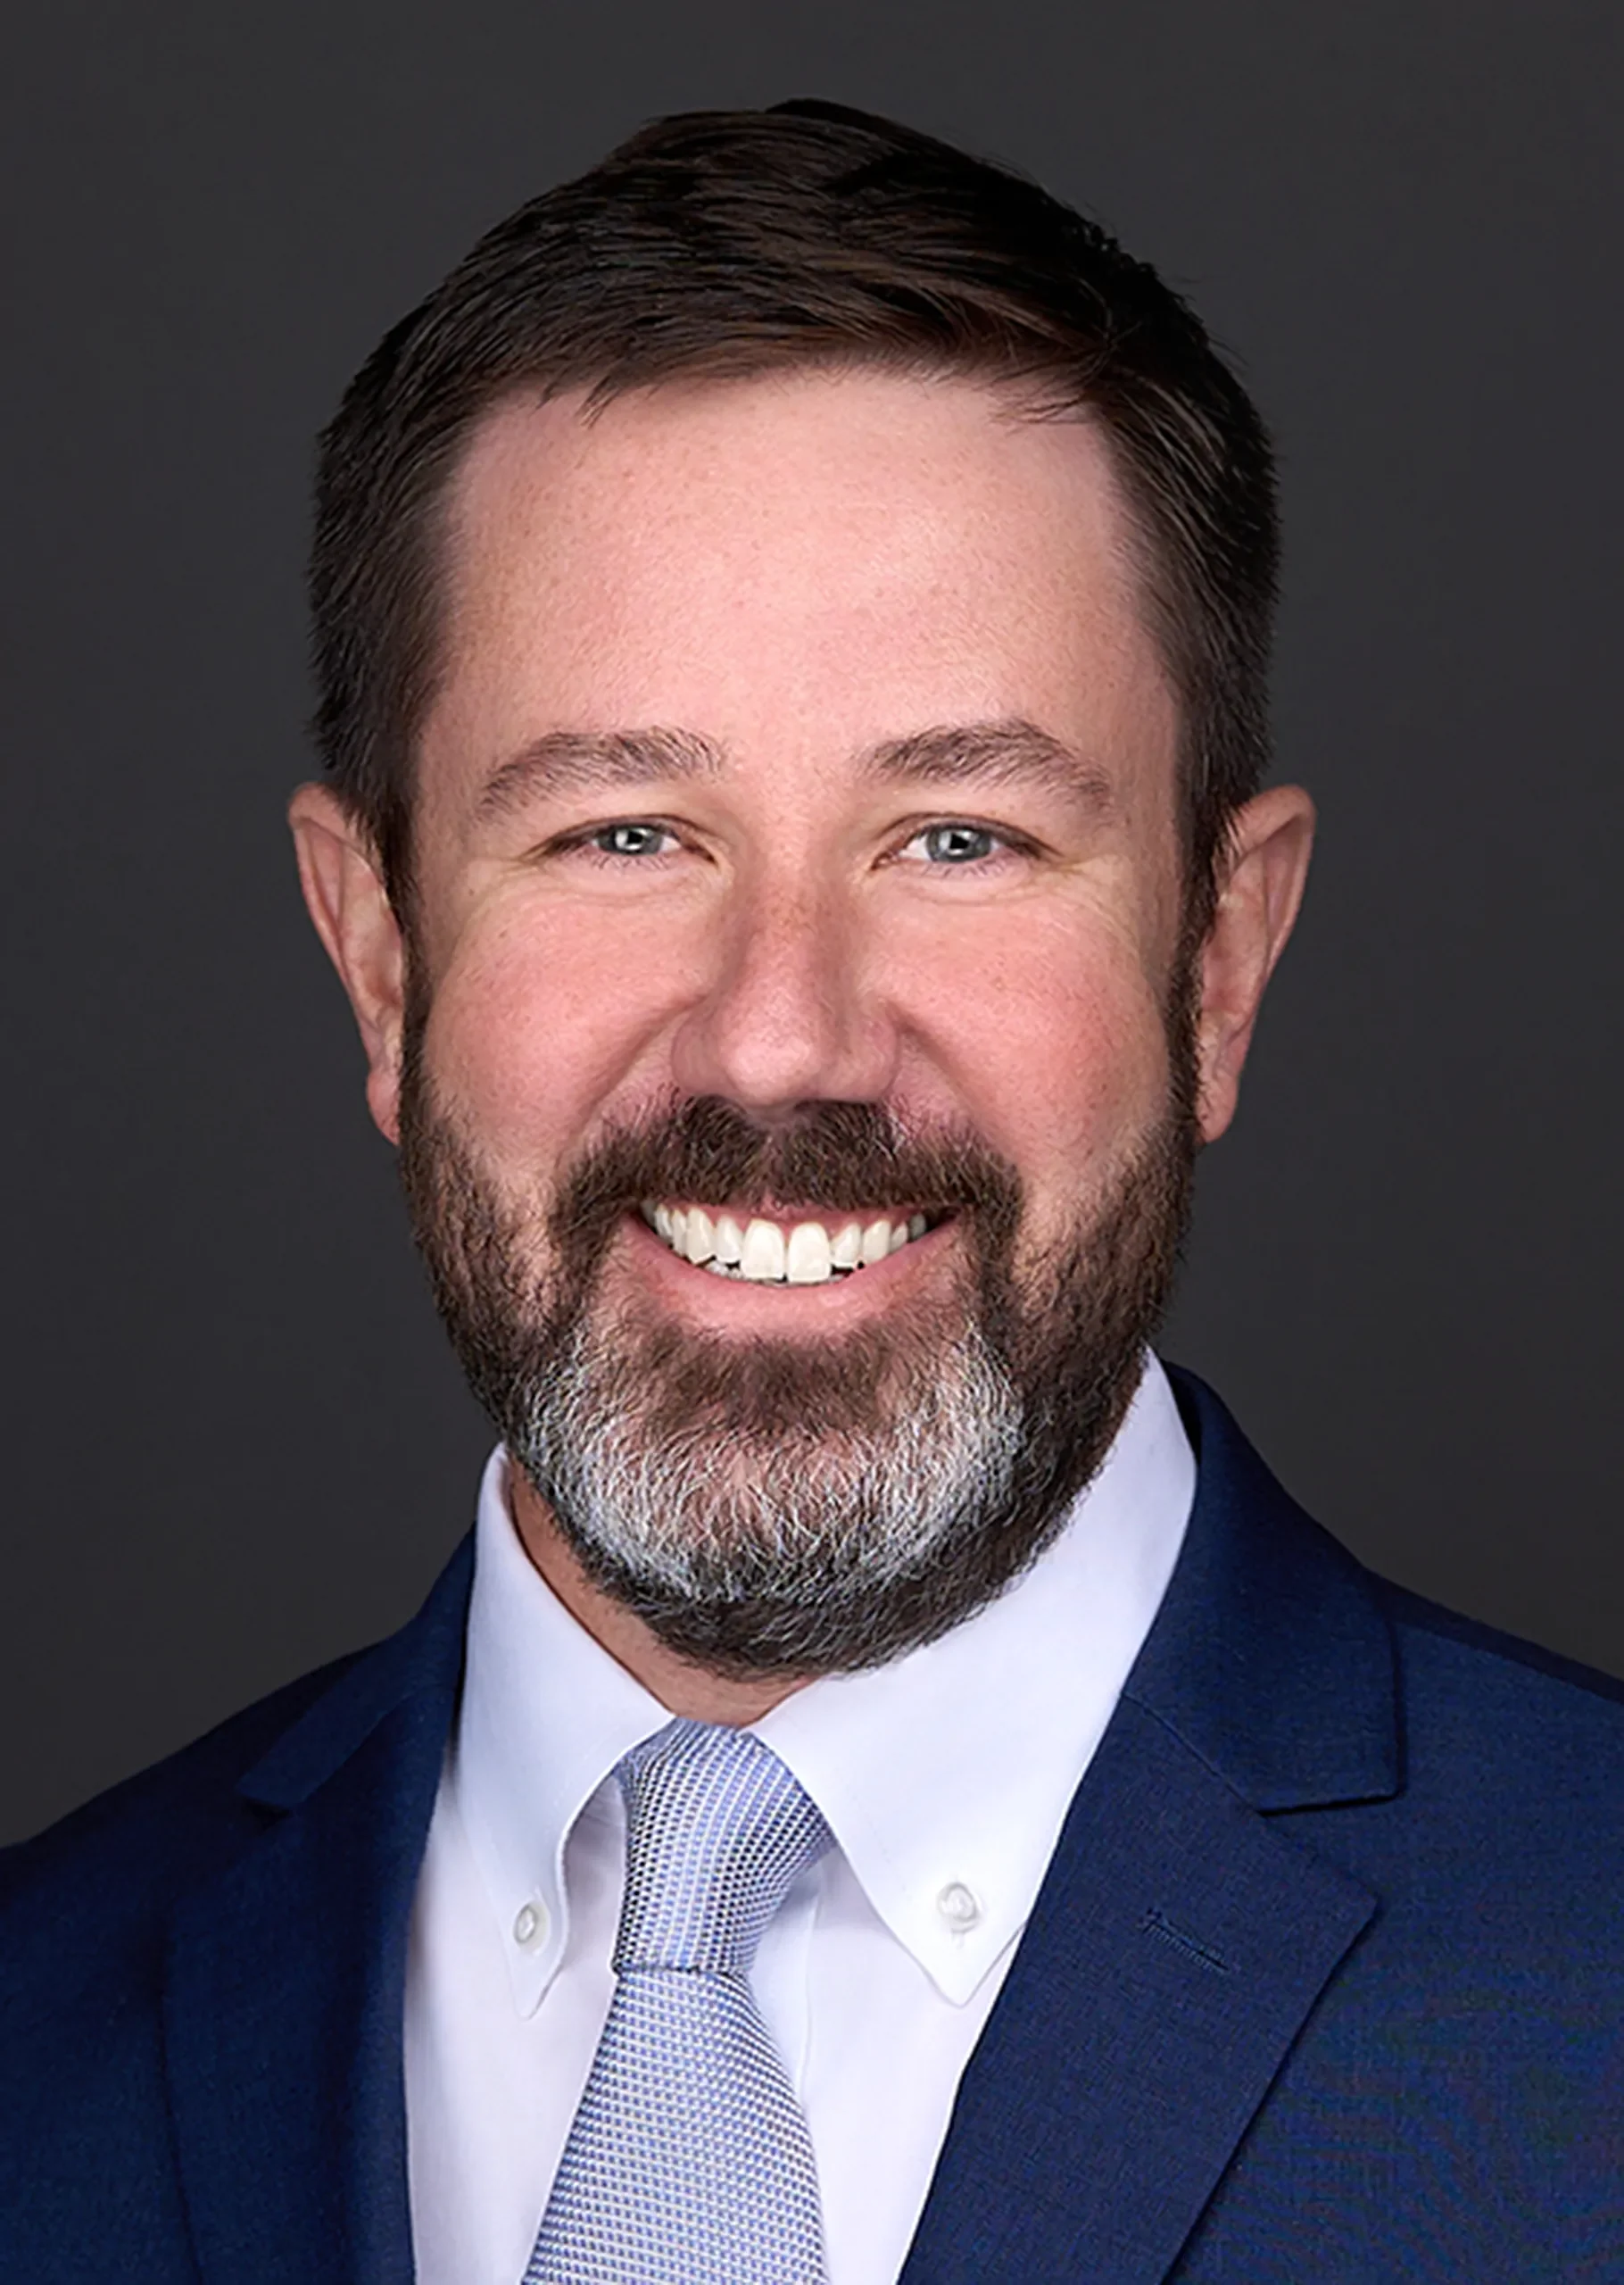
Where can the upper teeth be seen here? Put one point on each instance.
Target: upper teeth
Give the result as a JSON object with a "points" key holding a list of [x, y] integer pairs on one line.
{"points": [[802, 1253]]}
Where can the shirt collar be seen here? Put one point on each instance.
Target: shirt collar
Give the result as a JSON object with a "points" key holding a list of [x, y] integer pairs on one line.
{"points": [[546, 1713], [944, 1776]]}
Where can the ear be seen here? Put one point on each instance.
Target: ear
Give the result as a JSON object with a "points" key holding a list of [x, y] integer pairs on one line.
{"points": [[1263, 868], [344, 891]]}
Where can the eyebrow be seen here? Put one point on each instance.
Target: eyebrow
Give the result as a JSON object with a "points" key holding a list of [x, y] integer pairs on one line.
{"points": [[593, 761], [1009, 752]]}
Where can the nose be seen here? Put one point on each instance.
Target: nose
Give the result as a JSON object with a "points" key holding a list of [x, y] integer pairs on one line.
{"points": [[788, 1013]]}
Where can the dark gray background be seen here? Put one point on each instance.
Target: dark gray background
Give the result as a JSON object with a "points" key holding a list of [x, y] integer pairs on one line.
{"points": [[234, 1444]]}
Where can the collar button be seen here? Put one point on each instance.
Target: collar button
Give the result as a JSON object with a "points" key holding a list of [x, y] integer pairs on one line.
{"points": [[959, 1907], [532, 1926]]}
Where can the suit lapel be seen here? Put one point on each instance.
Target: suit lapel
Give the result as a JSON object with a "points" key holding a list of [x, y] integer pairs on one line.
{"points": [[285, 1977], [1180, 1938], [1177, 1947]]}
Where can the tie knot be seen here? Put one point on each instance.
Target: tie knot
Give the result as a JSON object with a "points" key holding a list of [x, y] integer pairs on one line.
{"points": [[716, 1829]]}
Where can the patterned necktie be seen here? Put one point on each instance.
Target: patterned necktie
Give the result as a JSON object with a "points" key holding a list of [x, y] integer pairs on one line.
{"points": [[689, 2162]]}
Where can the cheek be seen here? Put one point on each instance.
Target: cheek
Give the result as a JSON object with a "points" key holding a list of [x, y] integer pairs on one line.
{"points": [[537, 1022], [1056, 1039]]}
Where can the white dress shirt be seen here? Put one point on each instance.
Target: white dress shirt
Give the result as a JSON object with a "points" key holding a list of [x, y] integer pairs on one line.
{"points": [[945, 1778]]}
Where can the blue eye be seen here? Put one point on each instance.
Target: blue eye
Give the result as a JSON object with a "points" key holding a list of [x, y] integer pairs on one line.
{"points": [[958, 844], [630, 840]]}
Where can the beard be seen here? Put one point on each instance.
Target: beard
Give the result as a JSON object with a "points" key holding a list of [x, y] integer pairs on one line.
{"points": [[776, 1507]]}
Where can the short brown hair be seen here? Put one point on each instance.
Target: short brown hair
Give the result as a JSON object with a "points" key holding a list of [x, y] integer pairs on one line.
{"points": [[725, 243]]}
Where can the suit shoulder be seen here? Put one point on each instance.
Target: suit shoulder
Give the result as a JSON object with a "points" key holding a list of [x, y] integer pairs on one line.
{"points": [[108, 1873], [153, 1832], [1434, 1638], [1514, 1758]]}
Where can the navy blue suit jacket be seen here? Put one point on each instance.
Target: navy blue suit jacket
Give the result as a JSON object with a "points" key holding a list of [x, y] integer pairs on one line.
{"points": [[1324, 1982]]}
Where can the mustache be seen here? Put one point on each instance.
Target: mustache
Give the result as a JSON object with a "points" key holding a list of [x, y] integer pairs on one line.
{"points": [[838, 1157]]}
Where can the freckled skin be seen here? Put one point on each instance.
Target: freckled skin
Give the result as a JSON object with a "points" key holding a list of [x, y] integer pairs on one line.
{"points": [[798, 568]]}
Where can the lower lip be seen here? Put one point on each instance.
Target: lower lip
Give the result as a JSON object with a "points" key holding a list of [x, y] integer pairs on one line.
{"points": [[744, 1301]]}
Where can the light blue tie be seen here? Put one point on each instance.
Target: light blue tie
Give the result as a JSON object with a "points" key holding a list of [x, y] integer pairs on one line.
{"points": [[688, 2161]]}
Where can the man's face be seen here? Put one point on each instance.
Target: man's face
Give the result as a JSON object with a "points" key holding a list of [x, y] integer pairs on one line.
{"points": [[793, 583], [796, 847]]}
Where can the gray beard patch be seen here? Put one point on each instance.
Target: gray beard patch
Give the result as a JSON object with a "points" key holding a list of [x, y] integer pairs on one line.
{"points": [[820, 1522]]}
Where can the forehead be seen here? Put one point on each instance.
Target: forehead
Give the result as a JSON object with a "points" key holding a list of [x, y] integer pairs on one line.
{"points": [[814, 559]]}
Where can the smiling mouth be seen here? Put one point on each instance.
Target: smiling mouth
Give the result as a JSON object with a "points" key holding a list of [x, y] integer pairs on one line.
{"points": [[767, 1252]]}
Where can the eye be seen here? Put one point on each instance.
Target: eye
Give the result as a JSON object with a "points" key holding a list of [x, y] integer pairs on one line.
{"points": [[958, 843], [634, 837]]}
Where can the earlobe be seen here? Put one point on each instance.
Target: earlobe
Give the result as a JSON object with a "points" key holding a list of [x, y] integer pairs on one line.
{"points": [[350, 908], [1259, 893]]}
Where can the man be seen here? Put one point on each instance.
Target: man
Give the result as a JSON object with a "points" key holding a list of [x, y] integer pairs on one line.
{"points": [[894, 1788]]}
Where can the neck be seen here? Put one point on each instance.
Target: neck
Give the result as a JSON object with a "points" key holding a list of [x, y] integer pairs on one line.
{"points": [[680, 1686]]}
